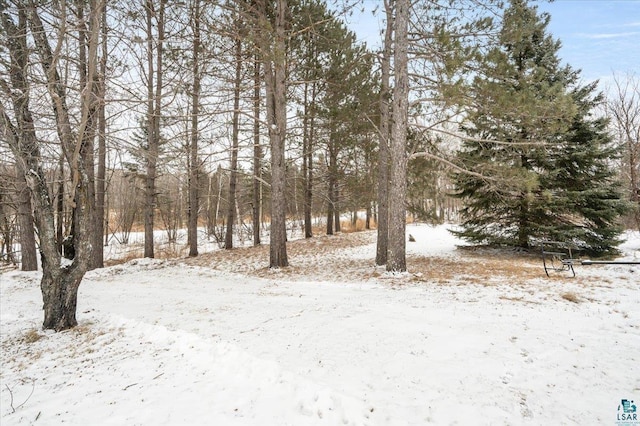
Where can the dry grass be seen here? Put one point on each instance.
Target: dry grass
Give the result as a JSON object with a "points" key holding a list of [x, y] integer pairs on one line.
{"points": [[165, 251], [22, 349], [136, 253], [571, 297], [476, 267], [349, 227], [32, 336], [481, 266], [518, 299]]}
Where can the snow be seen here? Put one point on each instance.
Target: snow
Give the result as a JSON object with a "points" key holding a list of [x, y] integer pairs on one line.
{"points": [[166, 342]]}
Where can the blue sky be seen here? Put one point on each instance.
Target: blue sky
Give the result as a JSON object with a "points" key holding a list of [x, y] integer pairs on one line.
{"points": [[599, 37]]}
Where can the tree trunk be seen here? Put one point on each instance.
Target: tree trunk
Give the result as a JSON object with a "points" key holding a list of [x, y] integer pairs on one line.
{"points": [[228, 240], [275, 78], [23, 132], [523, 222], [307, 156], [336, 206], [305, 168], [100, 217], [396, 261], [333, 225], [257, 156], [154, 110], [28, 256], [88, 78], [59, 214], [149, 193], [382, 244], [192, 228], [59, 293]]}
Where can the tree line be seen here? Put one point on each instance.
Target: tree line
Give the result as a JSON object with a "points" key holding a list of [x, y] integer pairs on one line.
{"points": [[246, 113]]}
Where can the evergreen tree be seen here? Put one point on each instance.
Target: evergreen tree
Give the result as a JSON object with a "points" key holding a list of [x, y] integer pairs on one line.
{"points": [[587, 198], [539, 158]]}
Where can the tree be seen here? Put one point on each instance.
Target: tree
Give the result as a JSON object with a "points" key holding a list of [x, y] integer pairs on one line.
{"points": [[192, 228], [273, 55], [28, 257], [623, 107], [257, 155], [345, 82], [396, 252], [101, 172], [235, 135], [586, 199], [60, 281], [526, 119], [382, 241], [313, 18], [155, 72]]}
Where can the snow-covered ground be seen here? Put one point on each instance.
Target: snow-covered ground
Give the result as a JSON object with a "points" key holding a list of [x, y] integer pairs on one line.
{"points": [[171, 343]]}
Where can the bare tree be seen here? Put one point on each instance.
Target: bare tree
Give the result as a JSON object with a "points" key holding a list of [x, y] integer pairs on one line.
{"points": [[60, 281], [235, 134], [194, 161], [28, 257], [7, 217], [624, 109], [16, 43], [155, 56], [307, 152], [383, 138], [95, 220], [257, 154], [99, 225]]}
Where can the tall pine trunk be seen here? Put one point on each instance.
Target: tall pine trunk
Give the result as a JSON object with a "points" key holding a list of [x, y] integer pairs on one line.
{"points": [[331, 185], [396, 261], [307, 155], [101, 176], [192, 228], [383, 153], [257, 156], [154, 110], [274, 54], [233, 176]]}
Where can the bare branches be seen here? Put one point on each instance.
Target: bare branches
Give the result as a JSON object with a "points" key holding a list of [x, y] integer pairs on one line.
{"points": [[452, 165]]}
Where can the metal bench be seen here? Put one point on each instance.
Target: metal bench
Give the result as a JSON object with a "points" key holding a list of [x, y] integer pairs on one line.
{"points": [[557, 257]]}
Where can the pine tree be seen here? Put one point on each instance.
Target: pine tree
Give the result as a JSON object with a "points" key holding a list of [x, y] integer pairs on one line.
{"points": [[540, 159], [587, 197]]}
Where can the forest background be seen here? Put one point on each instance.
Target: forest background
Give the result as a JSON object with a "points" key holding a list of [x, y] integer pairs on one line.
{"points": [[230, 118]]}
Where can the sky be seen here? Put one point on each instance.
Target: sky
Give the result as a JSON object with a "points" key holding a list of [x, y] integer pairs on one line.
{"points": [[599, 37]]}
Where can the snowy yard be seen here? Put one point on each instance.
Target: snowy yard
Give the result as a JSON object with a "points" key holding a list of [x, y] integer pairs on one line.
{"points": [[467, 337]]}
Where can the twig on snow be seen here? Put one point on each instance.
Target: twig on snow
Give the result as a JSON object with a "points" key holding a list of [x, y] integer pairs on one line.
{"points": [[13, 409]]}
